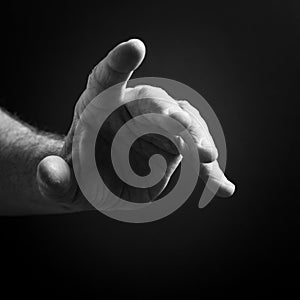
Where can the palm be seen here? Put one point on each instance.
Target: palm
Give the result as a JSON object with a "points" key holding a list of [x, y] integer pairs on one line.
{"points": [[109, 111], [141, 151], [55, 176]]}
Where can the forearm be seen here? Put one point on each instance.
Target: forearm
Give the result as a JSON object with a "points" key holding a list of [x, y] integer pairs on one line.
{"points": [[21, 149]]}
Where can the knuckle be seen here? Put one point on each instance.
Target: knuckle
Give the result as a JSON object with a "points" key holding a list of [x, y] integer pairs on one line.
{"points": [[213, 154], [92, 74], [151, 91], [183, 103], [194, 112]]}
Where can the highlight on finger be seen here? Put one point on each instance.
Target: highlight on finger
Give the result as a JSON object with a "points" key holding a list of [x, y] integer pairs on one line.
{"points": [[127, 56], [214, 177], [118, 65], [54, 177]]}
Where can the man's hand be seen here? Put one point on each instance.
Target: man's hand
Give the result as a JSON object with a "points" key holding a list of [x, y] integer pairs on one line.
{"points": [[54, 174]]}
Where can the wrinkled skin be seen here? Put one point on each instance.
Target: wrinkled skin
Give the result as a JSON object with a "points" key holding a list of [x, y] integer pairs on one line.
{"points": [[55, 175]]}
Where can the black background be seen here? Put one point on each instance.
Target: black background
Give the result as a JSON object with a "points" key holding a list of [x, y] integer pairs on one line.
{"points": [[243, 57]]}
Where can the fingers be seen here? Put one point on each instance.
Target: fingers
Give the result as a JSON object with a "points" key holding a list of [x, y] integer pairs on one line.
{"points": [[155, 108], [200, 133], [214, 177], [55, 179], [157, 101], [115, 68], [160, 102], [147, 91], [210, 171]]}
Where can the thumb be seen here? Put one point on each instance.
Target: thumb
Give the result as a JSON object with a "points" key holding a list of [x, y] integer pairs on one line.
{"points": [[116, 67], [55, 178]]}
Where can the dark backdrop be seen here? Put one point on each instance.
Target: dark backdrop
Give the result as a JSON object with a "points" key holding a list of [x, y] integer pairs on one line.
{"points": [[243, 57]]}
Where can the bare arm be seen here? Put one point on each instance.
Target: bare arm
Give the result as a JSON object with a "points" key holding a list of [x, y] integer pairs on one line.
{"points": [[36, 175], [21, 149]]}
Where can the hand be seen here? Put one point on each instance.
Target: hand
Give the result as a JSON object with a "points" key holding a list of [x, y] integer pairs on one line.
{"points": [[55, 176]]}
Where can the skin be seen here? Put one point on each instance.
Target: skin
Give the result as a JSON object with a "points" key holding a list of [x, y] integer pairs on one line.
{"points": [[54, 186]]}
